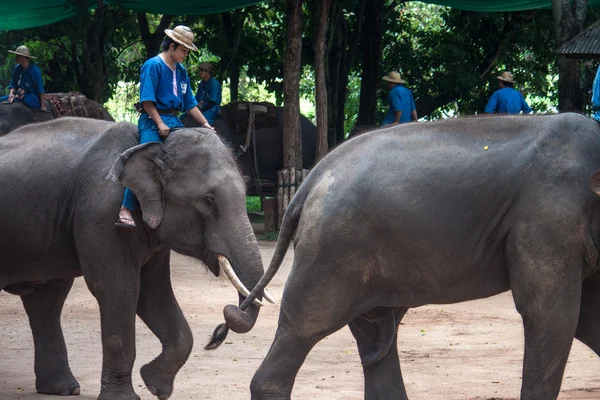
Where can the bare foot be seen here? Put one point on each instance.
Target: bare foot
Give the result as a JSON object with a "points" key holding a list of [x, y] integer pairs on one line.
{"points": [[125, 219]]}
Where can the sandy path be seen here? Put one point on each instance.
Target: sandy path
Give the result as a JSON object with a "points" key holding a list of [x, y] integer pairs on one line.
{"points": [[470, 350]]}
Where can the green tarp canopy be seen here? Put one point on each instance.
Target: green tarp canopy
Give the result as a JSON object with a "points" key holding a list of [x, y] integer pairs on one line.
{"points": [[22, 14]]}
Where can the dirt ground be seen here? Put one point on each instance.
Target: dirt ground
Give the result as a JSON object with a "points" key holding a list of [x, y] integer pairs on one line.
{"points": [[471, 350]]}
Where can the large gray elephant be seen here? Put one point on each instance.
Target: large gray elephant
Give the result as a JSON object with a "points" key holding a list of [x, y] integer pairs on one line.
{"points": [[440, 213], [232, 128], [57, 223], [18, 114]]}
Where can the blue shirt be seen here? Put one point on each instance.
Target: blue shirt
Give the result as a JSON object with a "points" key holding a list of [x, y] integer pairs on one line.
{"points": [[210, 93], [166, 88], [30, 79], [399, 99], [507, 101]]}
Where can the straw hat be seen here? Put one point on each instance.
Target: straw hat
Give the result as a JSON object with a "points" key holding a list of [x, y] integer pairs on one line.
{"points": [[506, 77], [182, 35], [205, 66], [394, 77], [22, 51]]}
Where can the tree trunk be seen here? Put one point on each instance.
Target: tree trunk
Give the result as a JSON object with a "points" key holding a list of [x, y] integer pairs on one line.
{"points": [[321, 85], [568, 20], [292, 143], [370, 76], [152, 41], [233, 25]]}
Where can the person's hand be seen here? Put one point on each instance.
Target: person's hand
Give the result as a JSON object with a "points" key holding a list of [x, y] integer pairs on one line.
{"points": [[163, 130], [44, 107], [208, 126], [11, 98]]}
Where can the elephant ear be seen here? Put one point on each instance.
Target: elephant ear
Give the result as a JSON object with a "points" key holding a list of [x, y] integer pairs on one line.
{"points": [[595, 182], [141, 169]]}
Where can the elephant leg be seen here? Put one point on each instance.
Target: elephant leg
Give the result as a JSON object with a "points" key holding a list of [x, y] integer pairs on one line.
{"points": [[376, 337], [546, 287], [43, 306], [159, 310], [588, 327], [309, 312], [113, 278]]}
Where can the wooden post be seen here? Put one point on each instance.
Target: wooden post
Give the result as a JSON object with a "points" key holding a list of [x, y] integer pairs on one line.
{"points": [[292, 183], [279, 198], [271, 214], [286, 191]]}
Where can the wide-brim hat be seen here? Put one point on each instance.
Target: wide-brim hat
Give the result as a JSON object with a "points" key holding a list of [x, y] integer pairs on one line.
{"points": [[22, 51], [506, 77], [394, 77], [205, 66], [182, 35]]}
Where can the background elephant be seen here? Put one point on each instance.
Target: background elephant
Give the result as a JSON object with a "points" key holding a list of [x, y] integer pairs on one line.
{"points": [[232, 128], [18, 114], [441, 213], [57, 223]]}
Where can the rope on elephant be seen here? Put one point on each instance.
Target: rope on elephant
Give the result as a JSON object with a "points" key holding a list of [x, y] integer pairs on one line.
{"points": [[238, 115], [72, 104]]}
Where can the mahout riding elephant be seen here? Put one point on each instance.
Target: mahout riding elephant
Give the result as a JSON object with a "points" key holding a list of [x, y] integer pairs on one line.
{"points": [[440, 213], [18, 114], [62, 185], [232, 128]]}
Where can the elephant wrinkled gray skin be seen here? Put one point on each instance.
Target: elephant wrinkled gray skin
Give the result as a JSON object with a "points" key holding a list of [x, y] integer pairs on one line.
{"points": [[18, 114], [57, 222], [269, 143], [422, 214]]}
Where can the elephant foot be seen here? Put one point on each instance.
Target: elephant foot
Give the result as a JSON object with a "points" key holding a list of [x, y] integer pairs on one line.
{"points": [[156, 382], [58, 386]]}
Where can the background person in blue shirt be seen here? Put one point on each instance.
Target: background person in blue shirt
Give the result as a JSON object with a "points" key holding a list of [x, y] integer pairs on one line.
{"points": [[506, 100], [26, 83], [208, 95], [402, 105], [165, 92]]}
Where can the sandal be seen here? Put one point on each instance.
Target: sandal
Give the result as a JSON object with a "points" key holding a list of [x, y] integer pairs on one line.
{"points": [[125, 223]]}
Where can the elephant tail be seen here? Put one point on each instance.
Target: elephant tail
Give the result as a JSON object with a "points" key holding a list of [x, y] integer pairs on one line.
{"points": [[286, 233]]}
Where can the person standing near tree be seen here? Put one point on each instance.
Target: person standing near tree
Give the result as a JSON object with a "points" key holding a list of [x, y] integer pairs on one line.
{"points": [[165, 92], [596, 96], [26, 83], [506, 100], [208, 95], [401, 102]]}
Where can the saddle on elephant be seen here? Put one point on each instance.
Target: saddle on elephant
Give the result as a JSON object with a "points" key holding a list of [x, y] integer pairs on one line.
{"points": [[73, 104]]}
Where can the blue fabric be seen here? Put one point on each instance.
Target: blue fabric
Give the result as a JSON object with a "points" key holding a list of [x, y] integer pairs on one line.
{"points": [[209, 93], [156, 85], [30, 82], [400, 99], [507, 101], [596, 96]]}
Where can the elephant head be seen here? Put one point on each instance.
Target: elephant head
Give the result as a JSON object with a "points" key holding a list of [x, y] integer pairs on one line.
{"points": [[192, 198]]}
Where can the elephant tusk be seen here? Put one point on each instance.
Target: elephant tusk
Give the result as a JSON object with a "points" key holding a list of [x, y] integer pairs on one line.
{"points": [[235, 281], [268, 297]]}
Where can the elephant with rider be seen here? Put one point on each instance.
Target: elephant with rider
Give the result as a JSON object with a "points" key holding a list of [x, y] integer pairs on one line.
{"points": [[62, 185], [440, 213]]}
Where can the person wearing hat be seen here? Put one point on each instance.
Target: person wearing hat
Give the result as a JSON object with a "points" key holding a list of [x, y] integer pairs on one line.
{"points": [[209, 93], [26, 83], [165, 92], [401, 102], [506, 100]]}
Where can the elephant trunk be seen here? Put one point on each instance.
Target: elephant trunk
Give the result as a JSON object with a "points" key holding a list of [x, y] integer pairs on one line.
{"points": [[244, 271]]}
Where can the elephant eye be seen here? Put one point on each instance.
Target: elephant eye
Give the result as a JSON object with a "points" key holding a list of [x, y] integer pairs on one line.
{"points": [[209, 200]]}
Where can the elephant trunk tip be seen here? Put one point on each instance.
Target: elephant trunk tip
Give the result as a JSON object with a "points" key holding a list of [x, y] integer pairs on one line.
{"points": [[238, 320], [219, 335]]}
